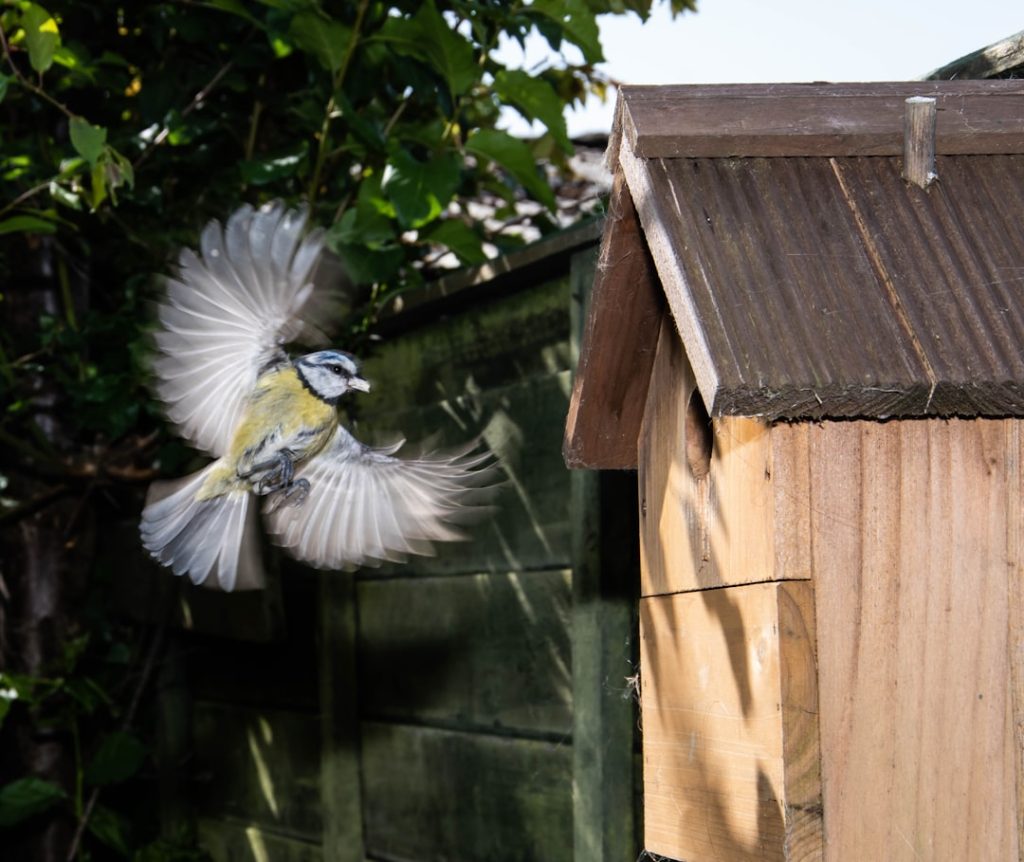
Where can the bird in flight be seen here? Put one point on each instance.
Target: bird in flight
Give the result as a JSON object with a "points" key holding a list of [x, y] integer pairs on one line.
{"points": [[271, 421]]}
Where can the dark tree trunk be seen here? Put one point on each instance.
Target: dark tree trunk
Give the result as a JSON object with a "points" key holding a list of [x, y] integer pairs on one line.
{"points": [[45, 556]]}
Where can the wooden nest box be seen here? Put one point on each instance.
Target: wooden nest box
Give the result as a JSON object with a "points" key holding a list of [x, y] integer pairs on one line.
{"points": [[806, 333]]}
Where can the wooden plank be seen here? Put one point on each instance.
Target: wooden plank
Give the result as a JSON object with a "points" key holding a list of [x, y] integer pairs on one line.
{"points": [[174, 743], [603, 646], [234, 841], [281, 674], [722, 501], [149, 592], [540, 261], [488, 346], [483, 651], [996, 59], [1015, 609], [522, 425], [730, 731], [975, 117], [261, 766], [617, 348], [340, 783], [912, 551], [436, 794]]}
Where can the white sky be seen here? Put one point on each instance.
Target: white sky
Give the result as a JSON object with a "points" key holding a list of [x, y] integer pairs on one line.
{"points": [[788, 40]]}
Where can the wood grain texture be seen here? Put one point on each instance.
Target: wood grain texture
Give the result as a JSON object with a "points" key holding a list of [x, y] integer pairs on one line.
{"points": [[438, 794], [617, 348], [239, 841], [604, 645], [817, 119], [522, 425], [341, 791], [488, 346], [489, 652], [987, 62], [741, 522], [881, 300], [259, 766], [913, 547], [730, 737], [1015, 608]]}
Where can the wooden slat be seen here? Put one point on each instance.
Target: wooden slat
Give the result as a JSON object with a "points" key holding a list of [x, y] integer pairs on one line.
{"points": [[605, 723], [538, 262], [149, 592], [262, 766], [522, 424], [435, 794], [730, 731], [617, 348], [995, 59], [488, 346], [483, 651], [912, 553], [743, 520], [340, 783], [818, 119], [234, 841], [1015, 609], [281, 674]]}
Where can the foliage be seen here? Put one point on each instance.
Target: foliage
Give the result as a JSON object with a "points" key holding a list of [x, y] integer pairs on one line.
{"points": [[123, 129]]}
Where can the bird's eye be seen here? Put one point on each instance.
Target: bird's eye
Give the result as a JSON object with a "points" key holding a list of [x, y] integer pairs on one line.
{"points": [[335, 368]]}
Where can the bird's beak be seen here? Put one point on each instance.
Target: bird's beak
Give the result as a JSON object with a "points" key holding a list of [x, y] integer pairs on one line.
{"points": [[359, 384]]}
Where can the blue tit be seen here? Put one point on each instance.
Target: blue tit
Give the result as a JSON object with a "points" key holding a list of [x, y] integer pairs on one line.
{"points": [[271, 422]]}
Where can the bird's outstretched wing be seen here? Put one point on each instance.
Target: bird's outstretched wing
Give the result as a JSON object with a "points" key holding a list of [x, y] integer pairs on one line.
{"points": [[366, 506], [255, 285]]}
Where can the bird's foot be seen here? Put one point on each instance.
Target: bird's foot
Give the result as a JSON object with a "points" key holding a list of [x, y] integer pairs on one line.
{"points": [[277, 474], [293, 495]]}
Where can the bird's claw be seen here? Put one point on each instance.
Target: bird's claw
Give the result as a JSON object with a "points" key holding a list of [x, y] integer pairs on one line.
{"points": [[294, 494]]}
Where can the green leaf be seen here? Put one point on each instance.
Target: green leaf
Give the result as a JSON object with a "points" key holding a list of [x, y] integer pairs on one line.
{"points": [[577, 22], [112, 829], [119, 757], [87, 139], [3, 85], [26, 224], [98, 181], [235, 7], [270, 170], [367, 265], [111, 171], [420, 191], [429, 38], [460, 239], [86, 692], [24, 797], [42, 36], [358, 226], [513, 155], [324, 38], [535, 99]]}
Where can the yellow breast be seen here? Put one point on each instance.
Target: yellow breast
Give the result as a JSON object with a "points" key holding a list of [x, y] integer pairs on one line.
{"points": [[282, 413]]}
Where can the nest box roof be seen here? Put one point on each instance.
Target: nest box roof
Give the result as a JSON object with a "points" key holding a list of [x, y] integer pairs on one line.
{"points": [[806, 277]]}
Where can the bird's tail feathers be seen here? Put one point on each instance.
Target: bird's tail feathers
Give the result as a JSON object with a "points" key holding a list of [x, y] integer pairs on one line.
{"points": [[216, 536]]}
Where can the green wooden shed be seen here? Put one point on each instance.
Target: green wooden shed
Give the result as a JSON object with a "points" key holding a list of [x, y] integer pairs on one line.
{"points": [[470, 706]]}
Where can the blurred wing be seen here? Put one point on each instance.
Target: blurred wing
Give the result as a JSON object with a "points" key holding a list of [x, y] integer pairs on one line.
{"points": [[253, 288], [366, 506]]}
